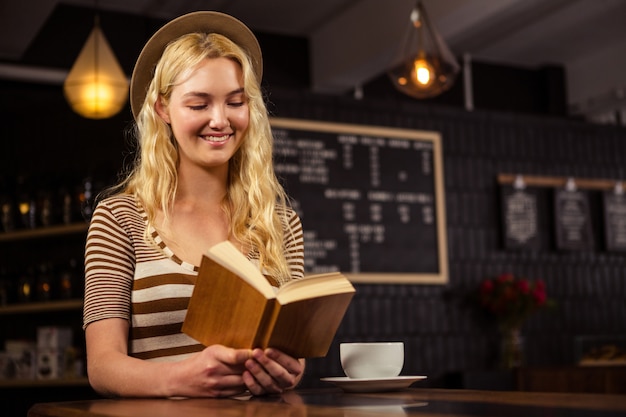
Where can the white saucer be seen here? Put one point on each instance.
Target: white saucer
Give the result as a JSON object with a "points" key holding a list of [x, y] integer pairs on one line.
{"points": [[373, 384]]}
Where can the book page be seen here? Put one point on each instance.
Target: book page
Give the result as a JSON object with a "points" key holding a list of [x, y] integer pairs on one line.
{"points": [[227, 255], [313, 286]]}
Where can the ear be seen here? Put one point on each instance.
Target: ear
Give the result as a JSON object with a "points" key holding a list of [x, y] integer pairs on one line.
{"points": [[162, 110]]}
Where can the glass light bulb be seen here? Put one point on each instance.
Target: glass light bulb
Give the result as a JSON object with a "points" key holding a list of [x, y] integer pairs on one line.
{"points": [[98, 95], [422, 74]]}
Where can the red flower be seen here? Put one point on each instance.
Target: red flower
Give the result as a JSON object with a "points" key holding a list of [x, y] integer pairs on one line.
{"points": [[508, 277], [539, 296], [523, 286], [511, 300]]}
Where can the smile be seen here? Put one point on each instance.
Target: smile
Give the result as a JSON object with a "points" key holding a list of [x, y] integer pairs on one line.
{"points": [[216, 139]]}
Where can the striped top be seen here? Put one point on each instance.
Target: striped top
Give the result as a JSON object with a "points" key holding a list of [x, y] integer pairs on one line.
{"points": [[128, 278]]}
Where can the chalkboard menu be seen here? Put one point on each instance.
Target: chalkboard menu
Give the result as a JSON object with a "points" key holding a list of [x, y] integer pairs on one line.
{"points": [[615, 220], [520, 218], [370, 199], [573, 220]]}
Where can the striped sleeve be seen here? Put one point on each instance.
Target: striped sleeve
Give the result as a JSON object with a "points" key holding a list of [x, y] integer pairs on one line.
{"points": [[109, 266], [294, 243]]}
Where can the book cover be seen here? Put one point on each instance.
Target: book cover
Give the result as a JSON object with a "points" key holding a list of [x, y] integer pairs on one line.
{"points": [[233, 304]]}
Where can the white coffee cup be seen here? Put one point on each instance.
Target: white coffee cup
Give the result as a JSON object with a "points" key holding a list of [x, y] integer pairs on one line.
{"points": [[372, 359]]}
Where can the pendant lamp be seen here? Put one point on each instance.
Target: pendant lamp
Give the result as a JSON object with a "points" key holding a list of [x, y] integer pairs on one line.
{"points": [[429, 67], [96, 86]]}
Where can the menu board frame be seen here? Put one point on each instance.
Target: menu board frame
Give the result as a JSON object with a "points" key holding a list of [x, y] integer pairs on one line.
{"points": [[433, 138]]}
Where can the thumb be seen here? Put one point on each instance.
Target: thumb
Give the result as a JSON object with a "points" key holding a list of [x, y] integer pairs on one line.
{"points": [[238, 356]]}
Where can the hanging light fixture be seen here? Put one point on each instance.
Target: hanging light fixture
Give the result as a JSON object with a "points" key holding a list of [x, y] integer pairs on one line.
{"points": [[96, 86], [430, 68]]}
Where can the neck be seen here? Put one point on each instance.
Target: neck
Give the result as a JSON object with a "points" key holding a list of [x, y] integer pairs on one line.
{"points": [[202, 187]]}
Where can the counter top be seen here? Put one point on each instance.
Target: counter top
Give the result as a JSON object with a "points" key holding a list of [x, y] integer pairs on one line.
{"points": [[333, 402]]}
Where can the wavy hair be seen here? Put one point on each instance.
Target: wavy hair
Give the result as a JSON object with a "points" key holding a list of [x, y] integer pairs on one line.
{"points": [[253, 192]]}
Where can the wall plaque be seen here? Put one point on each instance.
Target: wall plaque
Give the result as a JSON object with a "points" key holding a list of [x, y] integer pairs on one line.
{"points": [[521, 224], [573, 220], [614, 220]]}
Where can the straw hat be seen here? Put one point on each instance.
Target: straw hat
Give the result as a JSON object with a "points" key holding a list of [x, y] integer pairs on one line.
{"points": [[203, 22]]}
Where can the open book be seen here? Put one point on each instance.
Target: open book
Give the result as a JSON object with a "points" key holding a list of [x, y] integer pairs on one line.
{"points": [[233, 304]]}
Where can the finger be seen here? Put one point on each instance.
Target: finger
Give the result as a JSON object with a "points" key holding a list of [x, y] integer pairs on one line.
{"points": [[253, 386], [262, 377], [292, 365], [277, 370], [231, 356], [224, 385]]}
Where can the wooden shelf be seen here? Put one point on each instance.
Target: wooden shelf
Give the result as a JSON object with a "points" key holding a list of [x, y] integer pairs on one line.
{"points": [[558, 182], [43, 232], [34, 383], [42, 307]]}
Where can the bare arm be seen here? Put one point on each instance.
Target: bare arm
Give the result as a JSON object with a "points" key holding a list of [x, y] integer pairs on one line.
{"points": [[214, 372]]}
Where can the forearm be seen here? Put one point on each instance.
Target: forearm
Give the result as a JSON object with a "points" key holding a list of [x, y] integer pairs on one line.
{"points": [[115, 374]]}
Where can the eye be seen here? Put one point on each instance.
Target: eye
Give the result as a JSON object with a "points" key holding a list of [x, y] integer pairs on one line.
{"points": [[236, 104], [198, 108]]}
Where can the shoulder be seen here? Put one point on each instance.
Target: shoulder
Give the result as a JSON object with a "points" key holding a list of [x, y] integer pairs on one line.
{"points": [[288, 215], [124, 202], [121, 209], [121, 205], [292, 225]]}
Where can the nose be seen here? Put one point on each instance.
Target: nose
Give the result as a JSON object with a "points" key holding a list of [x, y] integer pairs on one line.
{"points": [[219, 118]]}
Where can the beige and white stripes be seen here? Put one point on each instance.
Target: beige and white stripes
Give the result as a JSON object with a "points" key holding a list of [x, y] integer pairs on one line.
{"points": [[127, 278]]}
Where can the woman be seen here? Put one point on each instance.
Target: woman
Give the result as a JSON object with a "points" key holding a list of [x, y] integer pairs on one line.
{"points": [[203, 175]]}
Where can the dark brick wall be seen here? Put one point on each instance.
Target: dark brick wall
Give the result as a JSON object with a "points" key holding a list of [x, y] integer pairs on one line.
{"points": [[441, 331]]}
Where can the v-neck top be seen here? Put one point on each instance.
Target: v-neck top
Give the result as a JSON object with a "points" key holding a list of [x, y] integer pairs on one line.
{"points": [[128, 278]]}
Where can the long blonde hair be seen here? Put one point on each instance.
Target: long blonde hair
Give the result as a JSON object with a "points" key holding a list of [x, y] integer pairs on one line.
{"points": [[253, 192]]}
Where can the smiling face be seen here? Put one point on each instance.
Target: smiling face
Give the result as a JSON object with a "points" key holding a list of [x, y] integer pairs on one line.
{"points": [[208, 113]]}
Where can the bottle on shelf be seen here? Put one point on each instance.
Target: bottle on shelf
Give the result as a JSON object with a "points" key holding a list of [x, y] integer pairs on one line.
{"points": [[86, 198], [26, 286], [46, 209], [44, 288], [70, 283], [7, 208], [7, 211], [28, 211], [68, 213], [5, 287]]}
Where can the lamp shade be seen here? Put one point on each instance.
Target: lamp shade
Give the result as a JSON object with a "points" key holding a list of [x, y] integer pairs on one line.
{"points": [[96, 86], [428, 67]]}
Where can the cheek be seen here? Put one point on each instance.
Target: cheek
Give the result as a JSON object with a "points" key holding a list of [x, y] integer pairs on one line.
{"points": [[240, 120], [187, 122]]}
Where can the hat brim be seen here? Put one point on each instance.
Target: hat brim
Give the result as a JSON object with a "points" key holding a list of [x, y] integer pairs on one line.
{"points": [[202, 22]]}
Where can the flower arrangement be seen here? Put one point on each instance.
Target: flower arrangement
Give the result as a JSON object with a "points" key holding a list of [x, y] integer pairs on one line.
{"points": [[511, 300]]}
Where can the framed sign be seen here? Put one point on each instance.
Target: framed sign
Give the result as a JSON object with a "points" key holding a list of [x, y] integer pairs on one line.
{"points": [[370, 199], [573, 220], [614, 204], [520, 218]]}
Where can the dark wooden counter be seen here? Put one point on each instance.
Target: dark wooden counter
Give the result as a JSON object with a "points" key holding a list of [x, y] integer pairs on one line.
{"points": [[334, 403]]}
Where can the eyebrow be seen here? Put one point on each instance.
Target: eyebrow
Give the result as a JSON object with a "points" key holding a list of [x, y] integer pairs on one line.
{"points": [[206, 95]]}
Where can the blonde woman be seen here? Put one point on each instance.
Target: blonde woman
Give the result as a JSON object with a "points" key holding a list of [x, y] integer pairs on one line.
{"points": [[203, 174]]}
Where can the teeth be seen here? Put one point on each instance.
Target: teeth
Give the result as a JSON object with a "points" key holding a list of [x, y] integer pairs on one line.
{"points": [[215, 138]]}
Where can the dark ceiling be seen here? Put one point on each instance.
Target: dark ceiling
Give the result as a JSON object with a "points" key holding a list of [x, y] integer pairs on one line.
{"points": [[347, 43]]}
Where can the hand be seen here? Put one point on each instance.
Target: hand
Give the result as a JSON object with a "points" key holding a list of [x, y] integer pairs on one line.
{"points": [[271, 371], [214, 372]]}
